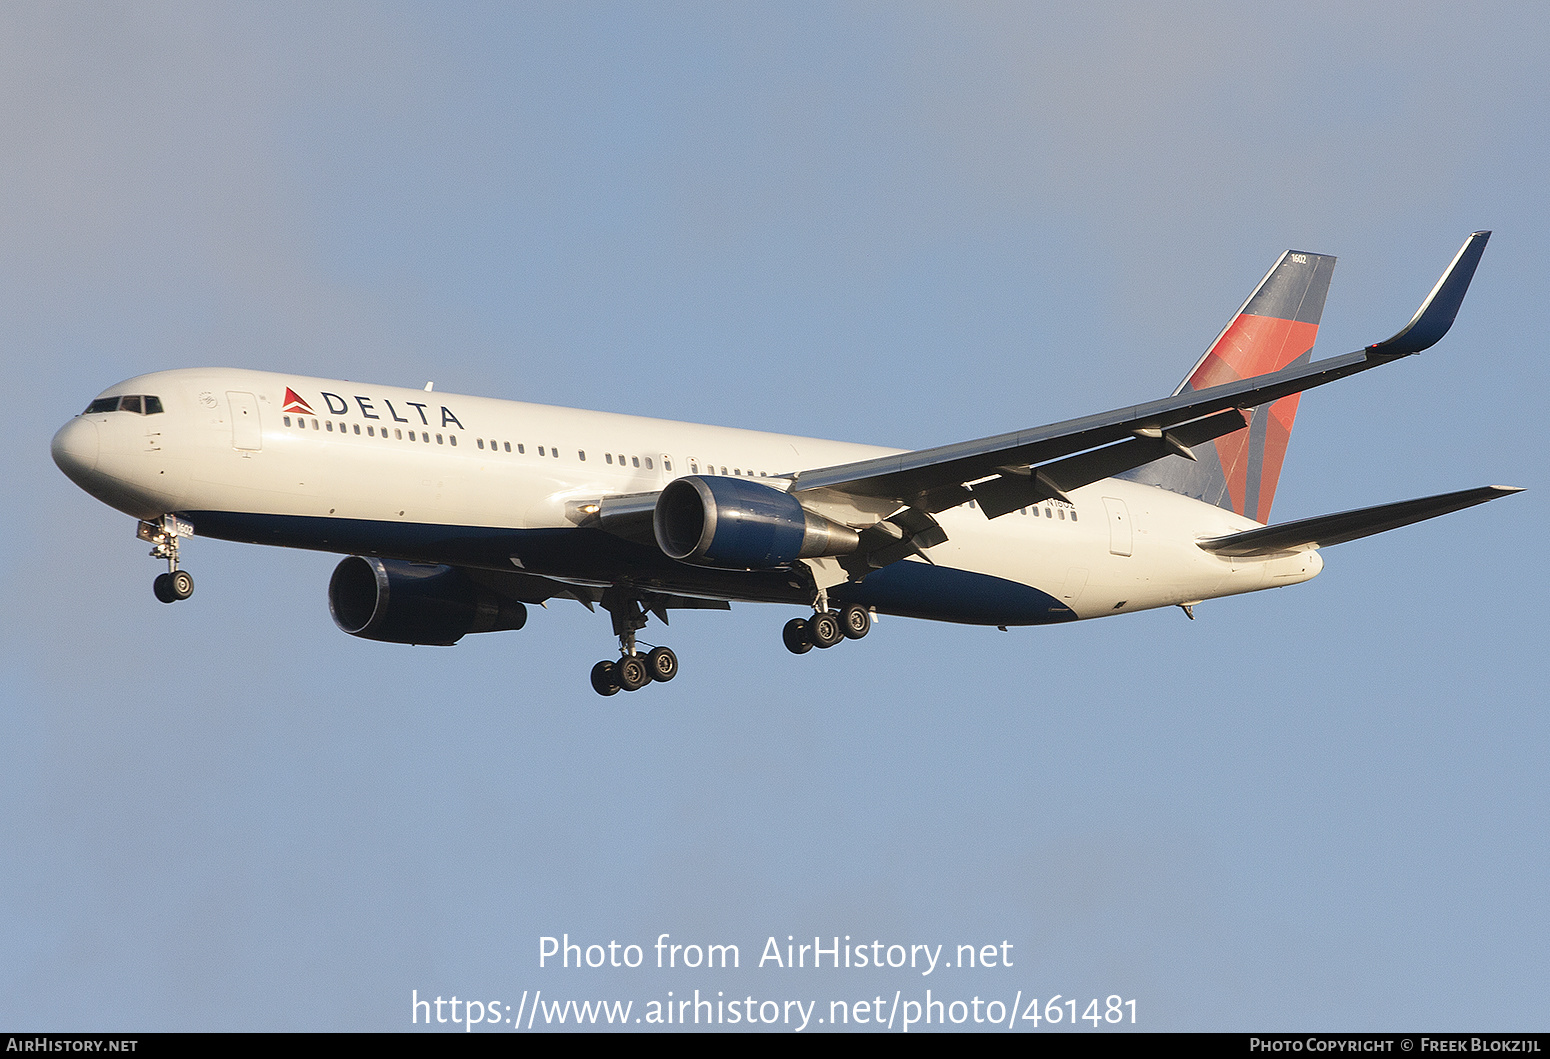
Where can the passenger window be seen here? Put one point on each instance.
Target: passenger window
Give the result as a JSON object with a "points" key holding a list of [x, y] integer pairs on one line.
{"points": [[635, 461], [438, 439], [1073, 514], [608, 457], [130, 404], [329, 424], [581, 454], [1060, 513], [540, 450], [287, 420], [554, 452], [426, 438], [481, 443], [648, 463], [399, 434], [667, 464], [411, 435], [723, 469], [370, 433], [152, 405], [357, 428], [453, 439]]}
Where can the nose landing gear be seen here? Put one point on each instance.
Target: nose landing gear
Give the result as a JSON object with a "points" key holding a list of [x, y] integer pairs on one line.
{"points": [[633, 670], [163, 535]]}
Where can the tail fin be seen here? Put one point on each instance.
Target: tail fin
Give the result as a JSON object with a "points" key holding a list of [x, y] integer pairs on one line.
{"points": [[1274, 328]]}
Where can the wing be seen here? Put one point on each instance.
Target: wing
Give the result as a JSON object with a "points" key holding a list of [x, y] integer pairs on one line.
{"points": [[1324, 530], [1008, 471], [539, 589]]}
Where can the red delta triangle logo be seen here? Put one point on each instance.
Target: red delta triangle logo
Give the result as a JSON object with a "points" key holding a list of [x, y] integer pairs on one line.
{"points": [[296, 404]]}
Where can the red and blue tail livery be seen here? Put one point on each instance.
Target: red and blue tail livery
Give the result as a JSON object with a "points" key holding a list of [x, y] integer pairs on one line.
{"points": [[1275, 328]]}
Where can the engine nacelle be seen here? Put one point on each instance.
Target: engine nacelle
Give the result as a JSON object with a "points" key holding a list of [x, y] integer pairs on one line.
{"points": [[735, 523], [415, 603]]}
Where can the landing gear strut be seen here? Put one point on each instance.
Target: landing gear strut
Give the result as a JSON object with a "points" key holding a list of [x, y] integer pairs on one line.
{"points": [[633, 670], [163, 535]]}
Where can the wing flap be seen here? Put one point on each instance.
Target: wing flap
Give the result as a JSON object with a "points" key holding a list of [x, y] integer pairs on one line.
{"points": [[1325, 530]]}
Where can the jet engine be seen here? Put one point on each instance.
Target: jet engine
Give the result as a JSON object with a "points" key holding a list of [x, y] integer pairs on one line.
{"points": [[738, 524], [415, 603]]}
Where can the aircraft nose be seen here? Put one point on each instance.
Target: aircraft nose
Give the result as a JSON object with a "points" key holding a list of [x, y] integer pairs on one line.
{"points": [[75, 448]]}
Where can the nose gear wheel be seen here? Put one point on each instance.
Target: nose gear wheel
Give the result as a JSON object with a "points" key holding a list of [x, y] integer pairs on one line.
{"points": [[169, 588]]}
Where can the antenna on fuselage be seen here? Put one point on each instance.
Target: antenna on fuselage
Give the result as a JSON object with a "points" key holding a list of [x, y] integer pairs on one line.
{"points": [[429, 386]]}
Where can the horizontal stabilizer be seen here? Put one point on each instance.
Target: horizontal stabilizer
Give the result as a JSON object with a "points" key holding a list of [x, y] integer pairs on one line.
{"points": [[1324, 530]]}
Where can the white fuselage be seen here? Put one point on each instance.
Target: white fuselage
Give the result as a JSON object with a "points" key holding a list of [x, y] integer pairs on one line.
{"points": [[481, 482]]}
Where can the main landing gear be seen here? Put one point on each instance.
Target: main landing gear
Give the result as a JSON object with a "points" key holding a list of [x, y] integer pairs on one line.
{"points": [[826, 628], [633, 670], [163, 535]]}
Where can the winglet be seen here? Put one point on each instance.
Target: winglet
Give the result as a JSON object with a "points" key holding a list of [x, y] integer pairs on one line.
{"points": [[1432, 320]]}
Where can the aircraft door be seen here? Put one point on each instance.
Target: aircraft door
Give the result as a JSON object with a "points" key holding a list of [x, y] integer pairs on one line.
{"points": [[245, 432], [1119, 526]]}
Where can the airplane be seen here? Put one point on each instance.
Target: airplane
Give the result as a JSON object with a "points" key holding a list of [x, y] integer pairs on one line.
{"points": [[455, 513]]}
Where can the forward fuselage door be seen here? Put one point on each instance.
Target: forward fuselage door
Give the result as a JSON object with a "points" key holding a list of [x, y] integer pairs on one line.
{"points": [[245, 432], [1119, 525]]}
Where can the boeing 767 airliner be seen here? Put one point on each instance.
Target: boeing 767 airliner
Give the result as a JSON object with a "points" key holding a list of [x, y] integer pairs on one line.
{"points": [[455, 512]]}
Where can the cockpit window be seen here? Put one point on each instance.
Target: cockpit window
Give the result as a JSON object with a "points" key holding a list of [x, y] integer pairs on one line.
{"points": [[140, 404]]}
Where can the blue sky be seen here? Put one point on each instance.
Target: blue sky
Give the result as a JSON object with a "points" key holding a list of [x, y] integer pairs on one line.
{"points": [[1319, 807]]}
